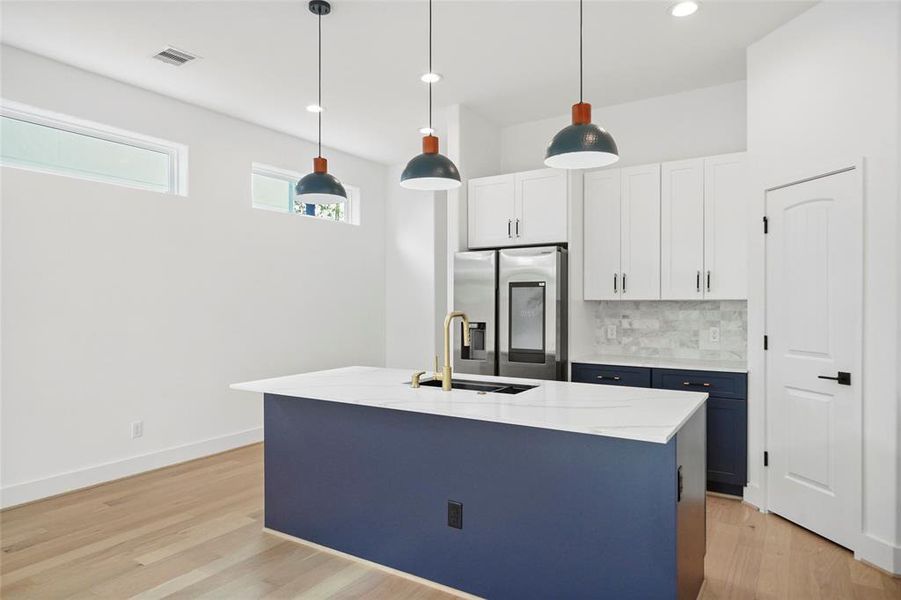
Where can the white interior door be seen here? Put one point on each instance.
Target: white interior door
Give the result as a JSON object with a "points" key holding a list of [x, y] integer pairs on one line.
{"points": [[814, 317], [541, 206], [682, 230], [601, 220], [726, 201], [640, 206], [490, 215]]}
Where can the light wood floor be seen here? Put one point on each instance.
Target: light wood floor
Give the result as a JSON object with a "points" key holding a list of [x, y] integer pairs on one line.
{"points": [[195, 530]]}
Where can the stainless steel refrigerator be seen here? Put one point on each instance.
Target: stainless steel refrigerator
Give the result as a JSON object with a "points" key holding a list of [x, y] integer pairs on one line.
{"points": [[516, 302]]}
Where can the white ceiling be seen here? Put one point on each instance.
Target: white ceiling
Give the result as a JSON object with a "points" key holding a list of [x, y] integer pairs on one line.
{"points": [[510, 61]]}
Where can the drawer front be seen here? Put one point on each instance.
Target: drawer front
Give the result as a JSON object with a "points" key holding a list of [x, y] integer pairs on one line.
{"points": [[611, 375], [723, 385]]}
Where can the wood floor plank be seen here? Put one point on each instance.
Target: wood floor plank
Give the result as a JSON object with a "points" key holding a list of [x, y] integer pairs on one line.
{"points": [[195, 530]]}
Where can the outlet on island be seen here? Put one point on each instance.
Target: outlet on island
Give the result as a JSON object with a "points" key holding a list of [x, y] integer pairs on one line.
{"points": [[454, 514]]}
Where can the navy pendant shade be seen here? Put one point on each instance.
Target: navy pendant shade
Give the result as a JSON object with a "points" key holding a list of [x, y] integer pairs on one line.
{"points": [[320, 186], [582, 145], [430, 170]]}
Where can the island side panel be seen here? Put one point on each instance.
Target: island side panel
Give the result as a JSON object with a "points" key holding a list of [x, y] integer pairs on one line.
{"points": [[546, 514], [691, 458]]}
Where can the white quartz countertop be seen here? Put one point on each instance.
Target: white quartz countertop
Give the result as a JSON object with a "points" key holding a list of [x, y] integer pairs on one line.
{"points": [[646, 415], [691, 364]]}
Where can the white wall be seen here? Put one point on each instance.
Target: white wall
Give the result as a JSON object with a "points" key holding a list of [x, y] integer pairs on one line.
{"points": [[414, 256], [826, 86], [121, 305], [694, 123]]}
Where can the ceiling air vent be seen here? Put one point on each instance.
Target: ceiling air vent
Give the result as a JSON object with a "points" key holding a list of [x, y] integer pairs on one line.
{"points": [[174, 57]]}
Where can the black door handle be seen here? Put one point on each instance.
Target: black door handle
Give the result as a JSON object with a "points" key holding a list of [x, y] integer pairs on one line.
{"points": [[842, 377]]}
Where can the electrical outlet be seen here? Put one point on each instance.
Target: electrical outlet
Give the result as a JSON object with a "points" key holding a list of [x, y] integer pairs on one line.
{"points": [[715, 335], [137, 429], [611, 332], [455, 514]]}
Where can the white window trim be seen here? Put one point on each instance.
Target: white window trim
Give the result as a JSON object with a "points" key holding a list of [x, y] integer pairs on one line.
{"points": [[177, 153], [352, 206]]}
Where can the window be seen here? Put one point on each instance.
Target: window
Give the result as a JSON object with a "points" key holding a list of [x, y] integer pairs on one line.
{"points": [[273, 189], [40, 141]]}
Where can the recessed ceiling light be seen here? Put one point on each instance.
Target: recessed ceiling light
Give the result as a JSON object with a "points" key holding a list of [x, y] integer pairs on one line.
{"points": [[426, 130], [683, 9], [315, 108], [431, 78]]}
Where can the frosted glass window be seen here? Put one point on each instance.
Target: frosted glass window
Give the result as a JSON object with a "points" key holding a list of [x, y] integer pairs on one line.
{"points": [[272, 193], [54, 146]]}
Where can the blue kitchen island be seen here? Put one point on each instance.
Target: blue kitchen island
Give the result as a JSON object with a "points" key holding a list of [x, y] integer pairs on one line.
{"points": [[564, 490]]}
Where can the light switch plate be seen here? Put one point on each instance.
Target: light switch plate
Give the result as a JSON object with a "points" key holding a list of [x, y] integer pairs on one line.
{"points": [[137, 429], [611, 332], [714, 335]]}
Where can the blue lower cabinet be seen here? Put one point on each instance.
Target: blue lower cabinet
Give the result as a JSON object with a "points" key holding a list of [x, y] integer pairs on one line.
{"points": [[727, 412], [727, 445], [611, 375]]}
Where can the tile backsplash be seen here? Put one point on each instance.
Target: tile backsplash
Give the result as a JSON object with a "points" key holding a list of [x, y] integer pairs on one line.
{"points": [[673, 329]]}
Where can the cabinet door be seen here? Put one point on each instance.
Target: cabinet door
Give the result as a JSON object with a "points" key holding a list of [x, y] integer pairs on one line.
{"points": [[682, 230], [491, 208], [727, 444], [601, 220], [726, 202], [541, 207], [640, 226]]}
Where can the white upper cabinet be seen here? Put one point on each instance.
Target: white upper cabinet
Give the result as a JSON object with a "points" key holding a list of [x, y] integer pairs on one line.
{"points": [[541, 206], [518, 209], [726, 202], [602, 235], [640, 231], [491, 210], [704, 229], [682, 230], [622, 234]]}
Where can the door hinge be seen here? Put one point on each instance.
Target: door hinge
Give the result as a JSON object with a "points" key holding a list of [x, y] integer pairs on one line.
{"points": [[766, 225], [766, 458], [766, 342]]}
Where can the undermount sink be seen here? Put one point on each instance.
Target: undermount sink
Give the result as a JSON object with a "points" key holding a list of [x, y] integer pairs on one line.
{"points": [[481, 386]]}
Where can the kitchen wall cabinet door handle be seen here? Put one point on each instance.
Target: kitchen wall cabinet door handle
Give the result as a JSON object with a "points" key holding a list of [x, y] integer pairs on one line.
{"points": [[509, 228], [698, 281], [708, 281], [624, 283], [842, 377], [517, 228], [614, 378], [696, 383], [614, 283]]}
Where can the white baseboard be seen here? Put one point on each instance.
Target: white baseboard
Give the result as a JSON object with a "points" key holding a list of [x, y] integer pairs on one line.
{"points": [[36, 489], [879, 553], [754, 496]]}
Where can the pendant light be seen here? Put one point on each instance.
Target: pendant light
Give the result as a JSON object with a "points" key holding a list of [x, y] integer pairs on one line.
{"points": [[320, 187], [581, 145], [430, 170]]}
